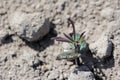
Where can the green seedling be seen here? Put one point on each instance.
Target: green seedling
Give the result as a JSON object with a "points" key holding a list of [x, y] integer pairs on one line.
{"points": [[77, 43]]}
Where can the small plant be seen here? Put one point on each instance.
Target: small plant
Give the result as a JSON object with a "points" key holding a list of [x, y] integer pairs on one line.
{"points": [[77, 43]]}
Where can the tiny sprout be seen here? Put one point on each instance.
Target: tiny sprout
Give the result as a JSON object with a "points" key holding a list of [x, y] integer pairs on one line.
{"points": [[77, 43]]}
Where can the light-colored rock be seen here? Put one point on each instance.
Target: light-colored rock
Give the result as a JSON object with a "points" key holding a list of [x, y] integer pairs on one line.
{"points": [[61, 77], [117, 14], [53, 75], [81, 73], [45, 68], [28, 56], [114, 27], [102, 47], [3, 58], [3, 11], [107, 13], [31, 26], [30, 59]]}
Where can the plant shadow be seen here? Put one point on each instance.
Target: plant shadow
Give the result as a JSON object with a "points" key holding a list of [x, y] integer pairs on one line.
{"points": [[96, 64]]}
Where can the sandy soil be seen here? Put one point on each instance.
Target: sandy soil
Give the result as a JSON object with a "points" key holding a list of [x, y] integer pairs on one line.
{"points": [[21, 60]]}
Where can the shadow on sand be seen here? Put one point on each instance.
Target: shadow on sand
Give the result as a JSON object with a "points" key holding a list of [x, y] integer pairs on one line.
{"points": [[95, 64]]}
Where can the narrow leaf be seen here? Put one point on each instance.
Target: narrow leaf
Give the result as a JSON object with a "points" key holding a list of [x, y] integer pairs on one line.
{"points": [[83, 45], [73, 26], [70, 55], [70, 38], [60, 39], [77, 37], [81, 39], [82, 34]]}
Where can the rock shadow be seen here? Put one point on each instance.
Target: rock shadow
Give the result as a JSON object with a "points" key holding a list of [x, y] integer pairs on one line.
{"points": [[45, 41], [7, 39]]}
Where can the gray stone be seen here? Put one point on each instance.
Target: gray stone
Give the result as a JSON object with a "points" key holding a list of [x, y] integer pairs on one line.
{"points": [[102, 47], [3, 11], [53, 75], [114, 27], [117, 14], [30, 59], [107, 13], [61, 77], [29, 26], [3, 58], [81, 73]]}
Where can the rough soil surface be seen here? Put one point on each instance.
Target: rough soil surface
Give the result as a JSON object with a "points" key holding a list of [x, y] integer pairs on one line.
{"points": [[26, 57]]}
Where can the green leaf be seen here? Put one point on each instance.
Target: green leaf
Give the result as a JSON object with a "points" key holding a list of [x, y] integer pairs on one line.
{"points": [[81, 41], [72, 45], [70, 55], [77, 37], [83, 45]]}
